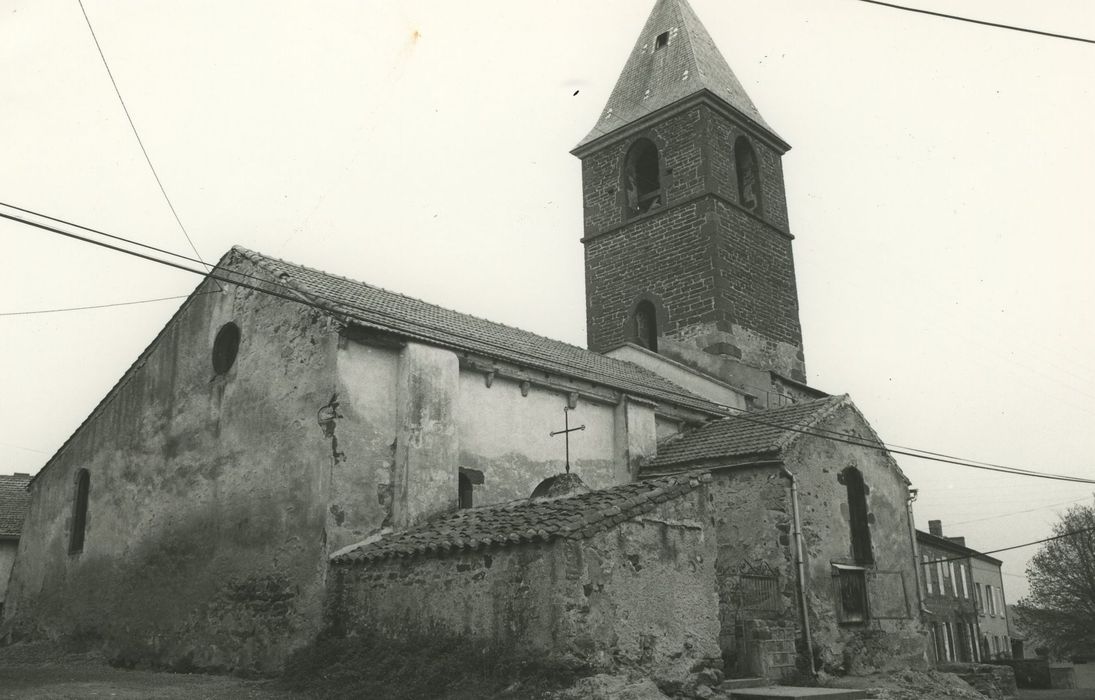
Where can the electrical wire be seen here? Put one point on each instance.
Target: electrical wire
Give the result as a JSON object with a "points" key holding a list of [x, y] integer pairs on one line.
{"points": [[133, 126], [1018, 512], [96, 306], [1020, 546], [294, 295], [978, 21]]}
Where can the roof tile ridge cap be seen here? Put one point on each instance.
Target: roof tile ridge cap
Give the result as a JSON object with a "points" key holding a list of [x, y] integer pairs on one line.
{"points": [[823, 412]]}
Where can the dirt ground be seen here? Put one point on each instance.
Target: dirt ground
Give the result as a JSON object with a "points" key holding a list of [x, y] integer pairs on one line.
{"points": [[43, 672]]}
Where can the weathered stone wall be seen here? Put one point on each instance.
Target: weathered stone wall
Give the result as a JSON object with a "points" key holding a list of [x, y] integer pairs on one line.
{"points": [[8, 548], [752, 517], [205, 521], [639, 593], [892, 635]]}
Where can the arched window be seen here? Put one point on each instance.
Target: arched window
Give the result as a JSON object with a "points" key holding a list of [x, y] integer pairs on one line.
{"points": [[646, 325], [748, 174], [857, 515], [79, 512], [642, 177]]}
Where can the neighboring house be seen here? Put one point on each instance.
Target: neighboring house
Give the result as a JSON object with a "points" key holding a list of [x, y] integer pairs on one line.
{"points": [[964, 597], [14, 498], [297, 450]]}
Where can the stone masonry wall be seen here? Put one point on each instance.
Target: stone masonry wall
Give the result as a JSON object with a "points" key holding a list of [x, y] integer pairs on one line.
{"points": [[892, 636], [641, 593], [205, 523]]}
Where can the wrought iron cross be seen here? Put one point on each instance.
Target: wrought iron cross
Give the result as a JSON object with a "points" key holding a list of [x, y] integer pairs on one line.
{"points": [[566, 431]]}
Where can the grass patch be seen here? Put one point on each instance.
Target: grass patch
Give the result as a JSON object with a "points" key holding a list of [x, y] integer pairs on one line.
{"points": [[435, 666]]}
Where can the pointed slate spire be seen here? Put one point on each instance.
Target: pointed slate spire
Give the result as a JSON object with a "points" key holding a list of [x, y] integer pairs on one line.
{"points": [[674, 58]]}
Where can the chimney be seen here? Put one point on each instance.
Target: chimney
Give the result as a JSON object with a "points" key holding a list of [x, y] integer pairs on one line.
{"points": [[958, 540], [935, 527]]}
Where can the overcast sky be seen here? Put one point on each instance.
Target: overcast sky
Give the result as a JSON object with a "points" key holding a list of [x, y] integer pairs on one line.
{"points": [[940, 189]]}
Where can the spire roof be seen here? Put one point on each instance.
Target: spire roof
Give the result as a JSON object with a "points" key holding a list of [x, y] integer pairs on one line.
{"points": [[674, 58]]}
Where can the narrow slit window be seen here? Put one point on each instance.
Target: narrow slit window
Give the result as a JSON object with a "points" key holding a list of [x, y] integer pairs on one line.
{"points": [[858, 516], [79, 512], [642, 178], [646, 325], [745, 158], [468, 479], [661, 41]]}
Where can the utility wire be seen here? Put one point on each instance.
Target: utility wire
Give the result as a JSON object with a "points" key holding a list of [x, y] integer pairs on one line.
{"points": [[978, 21], [133, 126], [1020, 546], [1018, 512], [294, 295], [96, 306]]}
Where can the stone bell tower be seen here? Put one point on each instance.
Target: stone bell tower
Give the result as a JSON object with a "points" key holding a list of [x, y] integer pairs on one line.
{"points": [[687, 243]]}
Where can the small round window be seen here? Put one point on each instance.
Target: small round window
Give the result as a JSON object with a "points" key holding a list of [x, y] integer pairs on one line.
{"points": [[225, 347]]}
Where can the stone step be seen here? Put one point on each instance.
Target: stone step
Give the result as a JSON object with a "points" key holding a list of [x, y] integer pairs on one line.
{"points": [[735, 683], [784, 691]]}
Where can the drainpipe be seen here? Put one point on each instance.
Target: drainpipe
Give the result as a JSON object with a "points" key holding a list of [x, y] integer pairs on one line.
{"points": [[800, 557], [913, 493]]}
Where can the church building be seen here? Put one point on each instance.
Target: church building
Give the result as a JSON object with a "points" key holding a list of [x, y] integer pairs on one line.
{"points": [[298, 452]]}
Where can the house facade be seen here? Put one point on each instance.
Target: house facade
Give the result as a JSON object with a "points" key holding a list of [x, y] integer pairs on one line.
{"points": [[964, 599]]}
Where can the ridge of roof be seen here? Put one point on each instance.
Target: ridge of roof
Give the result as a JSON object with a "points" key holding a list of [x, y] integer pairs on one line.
{"points": [[14, 501], [522, 522], [368, 305], [691, 63], [767, 432]]}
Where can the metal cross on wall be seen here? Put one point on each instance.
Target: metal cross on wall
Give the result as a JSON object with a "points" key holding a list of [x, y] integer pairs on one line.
{"points": [[566, 431]]}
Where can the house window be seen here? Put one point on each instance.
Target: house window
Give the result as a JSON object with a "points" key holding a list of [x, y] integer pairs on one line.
{"points": [[851, 585], [927, 573], [646, 325], [642, 178], [980, 599], [79, 512], [963, 589], [858, 516], [992, 600], [748, 174], [466, 483]]}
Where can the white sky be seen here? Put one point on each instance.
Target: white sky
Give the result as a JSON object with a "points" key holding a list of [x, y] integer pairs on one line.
{"points": [[939, 188]]}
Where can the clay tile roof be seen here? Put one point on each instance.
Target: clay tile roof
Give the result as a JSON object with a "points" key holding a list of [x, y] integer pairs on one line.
{"points": [[655, 78], [520, 522], [14, 499], [378, 308], [746, 434]]}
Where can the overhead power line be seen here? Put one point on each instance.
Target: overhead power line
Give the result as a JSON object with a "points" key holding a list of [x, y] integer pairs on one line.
{"points": [[272, 288], [1018, 512], [1020, 546], [133, 126], [87, 308], [981, 22]]}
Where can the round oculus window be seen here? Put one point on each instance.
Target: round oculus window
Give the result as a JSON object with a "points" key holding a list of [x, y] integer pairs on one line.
{"points": [[225, 347]]}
